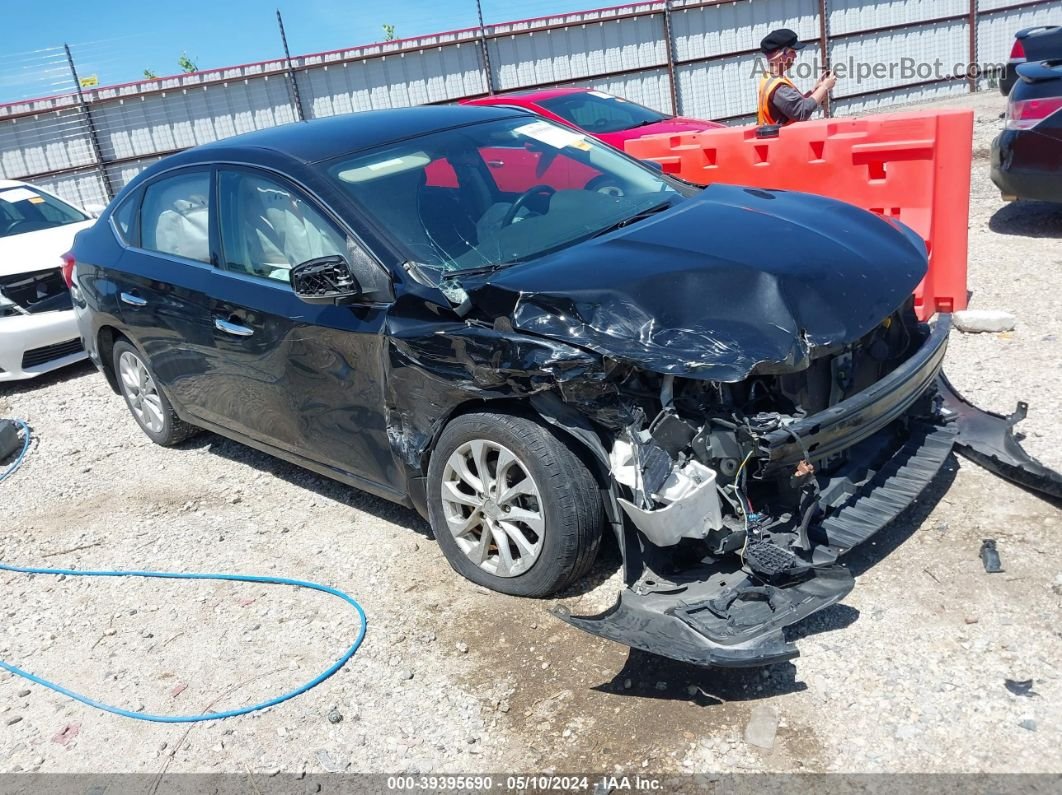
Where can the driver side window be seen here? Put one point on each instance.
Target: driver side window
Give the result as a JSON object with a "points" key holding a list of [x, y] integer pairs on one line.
{"points": [[267, 228]]}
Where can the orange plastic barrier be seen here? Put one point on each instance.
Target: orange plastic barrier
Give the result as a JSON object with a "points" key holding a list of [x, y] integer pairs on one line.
{"points": [[911, 166]]}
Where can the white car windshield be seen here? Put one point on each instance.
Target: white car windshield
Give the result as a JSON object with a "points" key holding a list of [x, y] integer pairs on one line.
{"points": [[26, 209], [499, 192]]}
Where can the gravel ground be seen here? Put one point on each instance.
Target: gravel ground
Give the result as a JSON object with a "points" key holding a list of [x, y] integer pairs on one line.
{"points": [[906, 675]]}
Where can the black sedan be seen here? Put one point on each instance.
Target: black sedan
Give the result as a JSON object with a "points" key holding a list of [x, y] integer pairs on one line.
{"points": [[437, 305], [1031, 45], [1027, 155]]}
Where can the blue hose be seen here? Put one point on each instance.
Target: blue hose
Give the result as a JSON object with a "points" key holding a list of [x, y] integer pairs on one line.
{"points": [[180, 576]]}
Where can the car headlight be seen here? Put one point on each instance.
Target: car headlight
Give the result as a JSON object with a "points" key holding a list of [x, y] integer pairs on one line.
{"points": [[9, 307]]}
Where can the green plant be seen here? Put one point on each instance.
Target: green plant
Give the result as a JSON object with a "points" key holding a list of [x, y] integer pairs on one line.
{"points": [[187, 64], [389, 32]]}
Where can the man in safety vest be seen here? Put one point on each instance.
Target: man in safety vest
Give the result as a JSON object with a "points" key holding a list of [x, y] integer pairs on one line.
{"points": [[779, 101]]}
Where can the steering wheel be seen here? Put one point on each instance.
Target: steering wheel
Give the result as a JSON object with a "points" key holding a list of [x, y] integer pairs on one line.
{"points": [[15, 224], [522, 201]]}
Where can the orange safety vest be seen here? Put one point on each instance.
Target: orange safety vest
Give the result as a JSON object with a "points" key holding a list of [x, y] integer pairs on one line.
{"points": [[768, 85]]}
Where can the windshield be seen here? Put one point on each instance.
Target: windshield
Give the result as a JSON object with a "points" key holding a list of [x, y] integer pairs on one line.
{"points": [[497, 193], [598, 112], [25, 209]]}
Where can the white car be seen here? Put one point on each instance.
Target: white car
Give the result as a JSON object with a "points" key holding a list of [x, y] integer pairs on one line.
{"points": [[38, 330]]}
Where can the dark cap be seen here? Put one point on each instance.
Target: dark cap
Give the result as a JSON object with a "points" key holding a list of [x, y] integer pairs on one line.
{"points": [[779, 40]]}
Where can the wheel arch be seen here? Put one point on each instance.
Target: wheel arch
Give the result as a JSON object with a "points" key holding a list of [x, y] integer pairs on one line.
{"points": [[106, 337], [571, 426]]}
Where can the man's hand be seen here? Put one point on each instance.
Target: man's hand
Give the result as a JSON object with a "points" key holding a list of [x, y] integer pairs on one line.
{"points": [[827, 82], [823, 87]]}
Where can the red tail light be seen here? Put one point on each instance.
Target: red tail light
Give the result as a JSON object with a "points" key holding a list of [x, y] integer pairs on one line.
{"points": [[1017, 51], [68, 269], [1026, 114]]}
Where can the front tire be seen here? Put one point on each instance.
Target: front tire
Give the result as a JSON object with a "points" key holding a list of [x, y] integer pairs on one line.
{"points": [[145, 399], [532, 525]]}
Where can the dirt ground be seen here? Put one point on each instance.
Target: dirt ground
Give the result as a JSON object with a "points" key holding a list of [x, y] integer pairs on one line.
{"points": [[907, 675]]}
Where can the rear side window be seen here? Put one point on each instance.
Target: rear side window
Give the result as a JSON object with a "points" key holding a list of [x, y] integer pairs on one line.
{"points": [[124, 215], [175, 216], [267, 228]]}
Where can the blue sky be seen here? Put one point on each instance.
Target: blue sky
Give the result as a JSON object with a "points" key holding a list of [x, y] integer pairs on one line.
{"points": [[117, 39]]}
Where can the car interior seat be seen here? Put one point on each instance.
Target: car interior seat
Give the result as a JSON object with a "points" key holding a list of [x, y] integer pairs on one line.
{"points": [[182, 225]]}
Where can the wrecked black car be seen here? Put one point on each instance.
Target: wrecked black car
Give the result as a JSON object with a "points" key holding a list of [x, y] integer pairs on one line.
{"points": [[533, 339]]}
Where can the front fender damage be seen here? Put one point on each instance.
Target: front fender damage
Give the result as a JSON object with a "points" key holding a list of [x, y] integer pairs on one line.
{"points": [[437, 362], [723, 590]]}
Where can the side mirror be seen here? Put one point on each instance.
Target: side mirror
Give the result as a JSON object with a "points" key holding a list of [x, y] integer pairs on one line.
{"points": [[325, 280]]}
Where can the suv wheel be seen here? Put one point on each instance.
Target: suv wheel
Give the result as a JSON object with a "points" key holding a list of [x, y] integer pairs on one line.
{"points": [[148, 405], [513, 508]]}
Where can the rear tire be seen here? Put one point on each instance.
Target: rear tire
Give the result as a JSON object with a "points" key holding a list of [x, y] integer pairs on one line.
{"points": [[535, 526], [145, 398]]}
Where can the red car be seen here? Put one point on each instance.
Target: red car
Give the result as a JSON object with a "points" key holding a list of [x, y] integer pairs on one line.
{"points": [[613, 120]]}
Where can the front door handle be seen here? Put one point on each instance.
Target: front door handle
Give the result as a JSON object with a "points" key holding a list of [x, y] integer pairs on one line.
{"points": [[232, 328], [132, 300]]}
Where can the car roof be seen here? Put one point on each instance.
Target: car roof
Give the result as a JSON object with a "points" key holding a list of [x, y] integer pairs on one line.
{"points": [[322, 139], [534, 95], [11, 183]]}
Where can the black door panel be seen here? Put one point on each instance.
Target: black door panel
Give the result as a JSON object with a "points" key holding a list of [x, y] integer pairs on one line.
{"points": [[307, 379], [165, 308]]}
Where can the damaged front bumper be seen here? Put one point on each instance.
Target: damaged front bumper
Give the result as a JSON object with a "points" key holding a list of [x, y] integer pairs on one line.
{"points": [[733, 609], [737, 624]]}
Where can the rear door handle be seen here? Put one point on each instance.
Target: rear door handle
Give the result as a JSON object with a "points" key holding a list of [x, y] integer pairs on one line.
{"points": [[132, 300], [232, 328]]}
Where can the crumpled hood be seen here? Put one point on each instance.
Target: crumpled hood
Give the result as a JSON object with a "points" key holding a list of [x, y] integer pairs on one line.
{"points": [[729, 280]]}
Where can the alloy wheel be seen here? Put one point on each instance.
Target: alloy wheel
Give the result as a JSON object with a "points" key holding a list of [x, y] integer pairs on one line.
{"points": [[139, 389], [493, 508]]}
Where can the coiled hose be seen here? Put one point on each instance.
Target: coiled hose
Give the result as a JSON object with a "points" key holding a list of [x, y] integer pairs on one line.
{"points": [[343, 659]]}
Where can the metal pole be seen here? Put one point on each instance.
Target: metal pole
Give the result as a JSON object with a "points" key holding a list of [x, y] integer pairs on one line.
{"points": [[293, 86], [488, 73], [670, 41], [971, 79], [94, 138], [824, 47]]}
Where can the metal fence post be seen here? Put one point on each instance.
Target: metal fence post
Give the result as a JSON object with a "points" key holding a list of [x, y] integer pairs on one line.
{"points": [[488, 73], [824, 47], [676, 106], [94, 138], [971, 77], [293, 86]]}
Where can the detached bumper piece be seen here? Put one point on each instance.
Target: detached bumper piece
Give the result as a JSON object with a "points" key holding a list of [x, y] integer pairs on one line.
{"points": [[741, 626], [988, 439]]}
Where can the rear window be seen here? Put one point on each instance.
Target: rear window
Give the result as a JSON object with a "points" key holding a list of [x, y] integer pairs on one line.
{"points": [[25, 209]]}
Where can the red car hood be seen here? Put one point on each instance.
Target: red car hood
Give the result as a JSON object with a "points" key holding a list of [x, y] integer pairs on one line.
{"points": [[679, 124]]}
